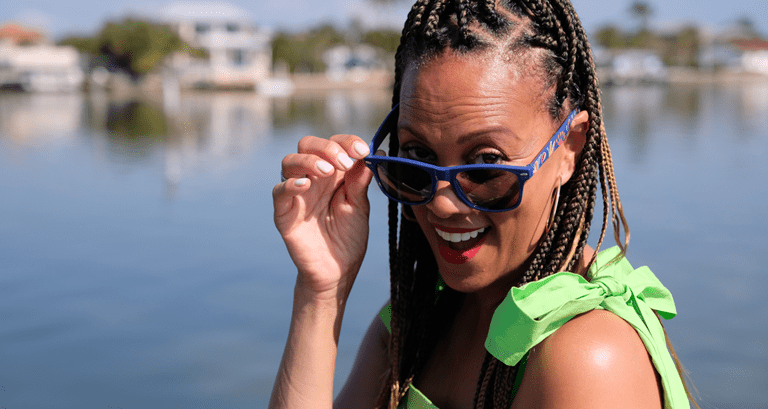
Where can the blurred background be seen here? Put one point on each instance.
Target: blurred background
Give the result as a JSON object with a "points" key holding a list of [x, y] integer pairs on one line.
{"points": [[139, 266]]}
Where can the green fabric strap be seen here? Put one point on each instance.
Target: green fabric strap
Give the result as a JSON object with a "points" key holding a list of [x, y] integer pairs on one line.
{"points": [[531, 313]]}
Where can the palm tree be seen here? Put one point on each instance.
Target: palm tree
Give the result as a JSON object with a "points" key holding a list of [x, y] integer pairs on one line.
{"points": [[642, 11]]}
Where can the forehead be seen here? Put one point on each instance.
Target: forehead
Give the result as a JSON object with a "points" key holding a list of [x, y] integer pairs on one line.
{"points": [[488, 78], [451, 96]]}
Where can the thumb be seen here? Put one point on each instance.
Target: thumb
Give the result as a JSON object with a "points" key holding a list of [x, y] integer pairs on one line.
{"points": [[357, 180]]}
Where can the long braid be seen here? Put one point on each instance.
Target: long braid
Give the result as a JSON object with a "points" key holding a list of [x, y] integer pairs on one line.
{"points": [[419, 316], [390, 396]]}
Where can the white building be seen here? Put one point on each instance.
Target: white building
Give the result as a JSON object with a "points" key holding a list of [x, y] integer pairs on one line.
{"points": [[356, 64], [239, 53], [637, 66], [29, 62]]}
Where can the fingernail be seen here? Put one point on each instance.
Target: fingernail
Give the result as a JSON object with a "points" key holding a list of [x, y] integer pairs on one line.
{"points": [[324, 166], [345, 160], [361, 148], [300, 182]]}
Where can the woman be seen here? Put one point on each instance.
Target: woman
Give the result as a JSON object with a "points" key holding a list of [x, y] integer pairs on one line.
{"points": [[496, 148]]}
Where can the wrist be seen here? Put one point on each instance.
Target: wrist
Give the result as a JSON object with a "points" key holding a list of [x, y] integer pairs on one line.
{"points": [[329, 296]]}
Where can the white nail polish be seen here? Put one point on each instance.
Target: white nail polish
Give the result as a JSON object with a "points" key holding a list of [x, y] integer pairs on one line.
{"points": [[345, 160], [300, 182], [361, 148], [324, 166]]}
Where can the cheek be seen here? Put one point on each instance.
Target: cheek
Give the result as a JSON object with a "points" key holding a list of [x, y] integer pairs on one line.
{"points": [[421, 217], [529, 220]]}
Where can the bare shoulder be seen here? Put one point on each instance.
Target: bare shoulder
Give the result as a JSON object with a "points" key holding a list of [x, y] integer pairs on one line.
{"points": [[595, 360]]}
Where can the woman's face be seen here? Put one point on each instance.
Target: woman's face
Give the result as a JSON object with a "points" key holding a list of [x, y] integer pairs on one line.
{"points": [[457, 110]]}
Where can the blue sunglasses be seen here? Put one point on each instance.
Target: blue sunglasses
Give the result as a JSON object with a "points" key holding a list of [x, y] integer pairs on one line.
{"points": [[489, 188]]}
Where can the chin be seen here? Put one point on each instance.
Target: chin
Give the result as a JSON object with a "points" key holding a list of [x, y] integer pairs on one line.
{"points": [[466, 277]]}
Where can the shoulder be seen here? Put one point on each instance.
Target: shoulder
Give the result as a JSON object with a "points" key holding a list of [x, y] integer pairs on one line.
{"points": [[594, 360]]}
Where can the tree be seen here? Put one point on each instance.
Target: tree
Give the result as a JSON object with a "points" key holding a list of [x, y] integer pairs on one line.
{"points": [[747, 27], [303, 52], [611, 37], [136, 47], [387, 40], [642, 11]]}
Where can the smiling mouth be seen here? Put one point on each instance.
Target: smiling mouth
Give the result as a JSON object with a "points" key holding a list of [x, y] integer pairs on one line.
{"points": [[459, 237], [460, 245]]}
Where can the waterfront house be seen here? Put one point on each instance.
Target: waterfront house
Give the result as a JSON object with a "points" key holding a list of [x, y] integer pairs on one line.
{"points": [[753, 55], [635, 66], [239, 53], [355, 64], [29, 62]]}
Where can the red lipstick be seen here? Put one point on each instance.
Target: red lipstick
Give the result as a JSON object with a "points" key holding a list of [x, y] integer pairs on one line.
{"points": [[455, 257]]}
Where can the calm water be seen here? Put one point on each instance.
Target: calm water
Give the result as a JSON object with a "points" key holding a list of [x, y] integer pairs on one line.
{"points": [[139, 267]]}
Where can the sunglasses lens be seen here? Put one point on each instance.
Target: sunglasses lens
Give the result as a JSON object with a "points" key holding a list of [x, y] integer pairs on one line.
{"points": [[491, 189], [404, 182]]}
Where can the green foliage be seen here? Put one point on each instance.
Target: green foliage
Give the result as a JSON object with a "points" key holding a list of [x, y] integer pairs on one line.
{"points": [[138, 46], [135, 46], [303, 52], [611, 37], [679, 49], [387, 40], [82, 44], [682, 49]]}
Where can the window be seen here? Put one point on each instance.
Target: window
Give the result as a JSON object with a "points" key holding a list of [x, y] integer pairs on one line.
{"points": [[237, 56]]}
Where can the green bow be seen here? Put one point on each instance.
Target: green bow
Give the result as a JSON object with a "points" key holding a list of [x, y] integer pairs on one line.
{"points": [[531, 313]]}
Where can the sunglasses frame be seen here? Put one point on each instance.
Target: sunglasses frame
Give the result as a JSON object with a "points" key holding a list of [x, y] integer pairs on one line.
{"points": [[448, 174]]}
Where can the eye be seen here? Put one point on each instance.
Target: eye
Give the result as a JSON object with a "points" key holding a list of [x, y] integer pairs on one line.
{"points": [[487, 158], [419, 153]]}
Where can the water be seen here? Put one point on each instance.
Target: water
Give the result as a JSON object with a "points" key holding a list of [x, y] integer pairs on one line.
{"points": [[139, 267]]}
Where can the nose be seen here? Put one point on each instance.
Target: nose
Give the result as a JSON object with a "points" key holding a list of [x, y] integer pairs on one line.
{"points": [[446, 203]]}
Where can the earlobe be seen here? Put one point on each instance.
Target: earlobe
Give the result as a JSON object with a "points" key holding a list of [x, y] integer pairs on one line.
{"points": [[574, 144]]}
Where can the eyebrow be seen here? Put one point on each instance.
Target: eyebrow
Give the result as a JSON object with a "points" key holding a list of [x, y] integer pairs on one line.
{"points": [[466, 137]]}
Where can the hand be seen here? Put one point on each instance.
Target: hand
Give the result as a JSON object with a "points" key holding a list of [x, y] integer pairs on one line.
{"points": [[322, 211]]}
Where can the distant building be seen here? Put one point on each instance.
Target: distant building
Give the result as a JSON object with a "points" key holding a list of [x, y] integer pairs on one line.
{"points": [[239, 52], [20, 36], [632, 66], [356, 64], [29, 62], [753, 55]]}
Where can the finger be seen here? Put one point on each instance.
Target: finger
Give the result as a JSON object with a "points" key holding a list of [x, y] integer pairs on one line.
{"points": [[283, 194], [354, 146], [299, 165], [357, 180], [328, 150]]}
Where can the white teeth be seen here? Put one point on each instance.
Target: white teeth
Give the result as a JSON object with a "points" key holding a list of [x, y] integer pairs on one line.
{"points": [[458, 237]]}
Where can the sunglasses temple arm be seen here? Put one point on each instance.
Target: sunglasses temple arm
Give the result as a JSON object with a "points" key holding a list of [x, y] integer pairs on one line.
{"points": [[557, 139], [385, 129]]}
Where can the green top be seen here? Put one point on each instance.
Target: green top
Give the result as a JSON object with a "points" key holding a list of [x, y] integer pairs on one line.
{"points": [[532, 312]]}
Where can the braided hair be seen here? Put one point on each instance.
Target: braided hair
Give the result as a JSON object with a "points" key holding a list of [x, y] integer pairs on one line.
{"points": [[550, 31]]}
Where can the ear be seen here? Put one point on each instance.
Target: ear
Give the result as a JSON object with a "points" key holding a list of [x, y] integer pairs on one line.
{"points": [[574, 144]]}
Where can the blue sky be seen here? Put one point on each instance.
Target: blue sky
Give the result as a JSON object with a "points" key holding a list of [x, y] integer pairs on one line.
{"points": [[59, 17]]}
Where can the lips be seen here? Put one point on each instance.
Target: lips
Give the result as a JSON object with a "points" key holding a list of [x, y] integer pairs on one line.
{"points": [[459, 245]]}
